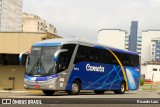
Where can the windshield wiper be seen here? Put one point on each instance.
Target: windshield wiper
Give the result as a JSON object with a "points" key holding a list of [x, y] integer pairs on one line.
{"points": [[33, 69]]}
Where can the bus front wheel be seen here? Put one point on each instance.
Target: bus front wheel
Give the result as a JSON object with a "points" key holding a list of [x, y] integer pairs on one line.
{"points": [[48, 92], [75, 88], [99, 91], [122, 89]]}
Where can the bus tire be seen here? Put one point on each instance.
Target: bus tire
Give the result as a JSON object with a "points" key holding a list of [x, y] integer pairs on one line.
{"points": [[48, 92], [122, 89], [99, 91], [76, 87]]}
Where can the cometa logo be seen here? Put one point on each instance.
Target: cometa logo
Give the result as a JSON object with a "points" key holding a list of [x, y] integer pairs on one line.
{"points": [[94, 68]]}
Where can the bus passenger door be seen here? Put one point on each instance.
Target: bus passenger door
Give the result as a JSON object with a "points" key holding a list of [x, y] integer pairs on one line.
{"points": [[62, 65]]}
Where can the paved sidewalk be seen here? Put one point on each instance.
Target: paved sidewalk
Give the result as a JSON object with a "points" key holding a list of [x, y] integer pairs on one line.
{"points": [[20, 91]]}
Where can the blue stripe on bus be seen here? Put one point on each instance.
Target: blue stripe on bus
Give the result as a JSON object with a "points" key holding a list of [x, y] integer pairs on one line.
{"points": [[40, 78], [47, 44]]}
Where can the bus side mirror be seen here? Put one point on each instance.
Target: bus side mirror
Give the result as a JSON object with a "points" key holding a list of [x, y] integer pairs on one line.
{"points": [[21, 55], [57, 54]]}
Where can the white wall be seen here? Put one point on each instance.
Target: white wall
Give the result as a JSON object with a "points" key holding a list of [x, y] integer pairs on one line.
{"points": [[11, 12], [112, 37], [143, 69], [146, 44], [148, 71]]}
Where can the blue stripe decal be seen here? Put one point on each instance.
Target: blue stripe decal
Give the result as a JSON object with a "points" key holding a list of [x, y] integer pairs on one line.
{"points": [[108, 74], [47, 44], [109, 78], [40, 78]]}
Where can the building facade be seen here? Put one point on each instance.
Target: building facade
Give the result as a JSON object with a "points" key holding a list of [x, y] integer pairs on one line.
{"points": [[133, 36], [147, 36], [11, 15], [33, 23], [127, 42], [112, 37], [155, 49], [139, 44]]}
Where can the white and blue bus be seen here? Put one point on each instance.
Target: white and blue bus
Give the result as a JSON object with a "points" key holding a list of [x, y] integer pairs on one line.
{"points": [[73, 65]]}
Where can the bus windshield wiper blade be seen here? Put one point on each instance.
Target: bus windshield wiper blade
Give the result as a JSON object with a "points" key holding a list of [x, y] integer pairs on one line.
{"points": [[32, 70]]}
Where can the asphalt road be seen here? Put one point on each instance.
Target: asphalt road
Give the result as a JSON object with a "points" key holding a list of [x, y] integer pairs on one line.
{"points": [[88, 98], [108, 94]]}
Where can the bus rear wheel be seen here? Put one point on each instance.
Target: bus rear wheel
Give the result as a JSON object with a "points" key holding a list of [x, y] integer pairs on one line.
{"points": [[75, 88], [99, 91], [48, 92], [122, 89]]}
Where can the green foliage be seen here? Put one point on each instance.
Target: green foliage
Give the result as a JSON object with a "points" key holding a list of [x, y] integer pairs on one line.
{"points": [[141, 81]]}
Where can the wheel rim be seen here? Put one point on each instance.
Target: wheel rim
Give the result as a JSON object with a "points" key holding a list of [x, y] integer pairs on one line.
{"points": [[122, 88], [75, 88]]}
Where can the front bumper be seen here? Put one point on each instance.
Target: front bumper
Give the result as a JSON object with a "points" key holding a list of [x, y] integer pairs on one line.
{"points": [[50, 84]]}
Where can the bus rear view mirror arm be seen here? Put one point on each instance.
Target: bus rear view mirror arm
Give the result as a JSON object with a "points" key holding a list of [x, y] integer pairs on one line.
{"points": [[57, 54], [20, 56]]}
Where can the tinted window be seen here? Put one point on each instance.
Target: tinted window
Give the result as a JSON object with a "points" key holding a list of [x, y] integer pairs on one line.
{"points": [[91, 54], [65, 57], [81, 54], [70, 48], [128, 59], [108, 58], [134, 59]]}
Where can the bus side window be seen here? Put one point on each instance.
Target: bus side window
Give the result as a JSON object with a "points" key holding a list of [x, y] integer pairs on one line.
{"points": [[134, 60], [65, 57], [63, 61], [125, 59], [111, 58], [93, 54], [105, 57], [80, 55]]}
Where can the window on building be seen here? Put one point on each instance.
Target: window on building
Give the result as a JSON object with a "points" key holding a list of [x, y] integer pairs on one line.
{"points": [[153, 45], [11, 59], [154, 69], [152, 49], [138, 44]]}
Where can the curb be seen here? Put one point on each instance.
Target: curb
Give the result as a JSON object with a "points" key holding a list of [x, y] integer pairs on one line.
{"points": [[20, 91], [12, 91]]}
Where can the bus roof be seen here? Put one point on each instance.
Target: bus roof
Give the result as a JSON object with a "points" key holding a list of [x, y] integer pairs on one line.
{"points": [[60, 41]]}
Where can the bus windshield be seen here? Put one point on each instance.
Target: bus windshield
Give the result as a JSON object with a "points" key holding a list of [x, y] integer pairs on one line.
{"points": [[40, 61]]}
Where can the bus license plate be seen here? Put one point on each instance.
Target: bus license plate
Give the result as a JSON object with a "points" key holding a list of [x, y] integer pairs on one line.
{"points": [[36, 86]]}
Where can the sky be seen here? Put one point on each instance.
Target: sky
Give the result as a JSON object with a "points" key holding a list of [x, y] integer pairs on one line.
{"points": [[84, 18]]}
